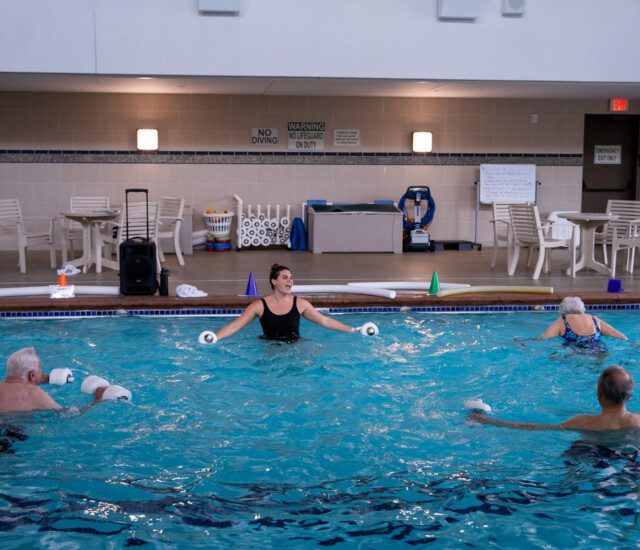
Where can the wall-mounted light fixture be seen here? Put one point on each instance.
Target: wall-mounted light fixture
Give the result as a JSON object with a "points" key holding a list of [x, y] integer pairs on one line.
{"points": [[147, 139], [422, 142]]}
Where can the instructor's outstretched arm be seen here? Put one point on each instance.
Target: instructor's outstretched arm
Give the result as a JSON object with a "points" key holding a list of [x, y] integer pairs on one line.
{"points": [[312, 314], [252, 312]]}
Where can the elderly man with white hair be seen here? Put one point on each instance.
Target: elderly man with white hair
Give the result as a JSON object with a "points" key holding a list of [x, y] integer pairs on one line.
{"points": [[577, 327], [20, 391]]}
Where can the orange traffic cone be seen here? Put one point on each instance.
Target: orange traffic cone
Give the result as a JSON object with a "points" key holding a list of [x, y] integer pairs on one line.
{"points": [[63, 280]]}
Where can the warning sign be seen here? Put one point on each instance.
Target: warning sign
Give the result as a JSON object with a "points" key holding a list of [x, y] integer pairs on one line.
{"points": [[307, 136]]}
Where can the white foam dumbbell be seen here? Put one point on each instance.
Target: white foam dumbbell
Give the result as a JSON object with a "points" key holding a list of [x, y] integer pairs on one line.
{"points": [[368, 329], [207, 337], [477, 405], [117, 393], [60, 377], [92, 383]]}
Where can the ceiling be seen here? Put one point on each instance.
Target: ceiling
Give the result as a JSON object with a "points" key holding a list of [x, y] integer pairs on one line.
{"points": [[315, 86]]}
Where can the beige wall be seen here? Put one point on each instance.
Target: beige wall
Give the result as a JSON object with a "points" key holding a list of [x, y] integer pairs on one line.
{"points": [[223, 123], [210, 122]]}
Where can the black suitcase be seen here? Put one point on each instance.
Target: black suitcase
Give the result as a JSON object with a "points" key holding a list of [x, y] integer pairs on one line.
{"points": [[138, 267]]}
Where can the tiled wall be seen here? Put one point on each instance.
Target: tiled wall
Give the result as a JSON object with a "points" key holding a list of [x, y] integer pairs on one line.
{"points": [[107, 122], [210, 122]]}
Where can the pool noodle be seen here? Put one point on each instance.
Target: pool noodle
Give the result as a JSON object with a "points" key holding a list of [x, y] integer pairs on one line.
{"points": [[45, 290], [346, 289], [407, 285], [508, 289]]}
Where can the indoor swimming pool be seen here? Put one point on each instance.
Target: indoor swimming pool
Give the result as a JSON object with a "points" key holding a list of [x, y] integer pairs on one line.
{"points": [[335, 440]]}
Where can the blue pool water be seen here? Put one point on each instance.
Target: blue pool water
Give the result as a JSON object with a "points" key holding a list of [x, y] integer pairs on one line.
{"points": [[336, 440]]}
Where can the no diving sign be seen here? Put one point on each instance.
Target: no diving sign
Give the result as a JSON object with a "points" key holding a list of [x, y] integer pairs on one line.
{"points": [[264, 136]]}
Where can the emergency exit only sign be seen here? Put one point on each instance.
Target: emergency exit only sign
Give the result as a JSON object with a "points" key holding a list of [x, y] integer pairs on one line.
{"points": [[607, 154]]}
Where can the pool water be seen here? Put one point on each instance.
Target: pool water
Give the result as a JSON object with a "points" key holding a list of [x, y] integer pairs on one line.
{"points": [[336, 440]]}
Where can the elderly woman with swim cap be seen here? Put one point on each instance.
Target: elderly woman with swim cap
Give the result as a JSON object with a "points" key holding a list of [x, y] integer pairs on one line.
{"points": [[578, 327], [280, 312]]}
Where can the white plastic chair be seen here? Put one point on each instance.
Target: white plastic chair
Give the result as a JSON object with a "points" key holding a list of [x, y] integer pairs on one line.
{"points": [[170, 221], [73, 230], [628, 213], [529, 232], [501, 230], [24, 232]]}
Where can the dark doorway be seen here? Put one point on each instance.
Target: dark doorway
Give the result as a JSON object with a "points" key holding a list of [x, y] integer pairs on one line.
{"points": [[610, 160]]}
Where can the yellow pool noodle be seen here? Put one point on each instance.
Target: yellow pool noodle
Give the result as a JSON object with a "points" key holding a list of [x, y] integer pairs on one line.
{"points": [[482, 289]]}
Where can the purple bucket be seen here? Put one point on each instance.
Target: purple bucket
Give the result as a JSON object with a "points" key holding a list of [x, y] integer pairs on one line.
{"points": [[615, 285]]}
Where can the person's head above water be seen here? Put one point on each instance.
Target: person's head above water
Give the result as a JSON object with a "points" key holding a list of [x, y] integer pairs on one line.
{"points": [[571, 304], [615, 386], [24, 365], [279, 272]]}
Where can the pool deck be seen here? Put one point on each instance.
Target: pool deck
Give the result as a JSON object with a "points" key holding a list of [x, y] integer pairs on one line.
{"points": [[224, 276]]}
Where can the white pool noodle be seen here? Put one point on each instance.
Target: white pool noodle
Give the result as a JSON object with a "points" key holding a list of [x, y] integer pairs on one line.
{"points": [[45, 290], [344, 289], [407, 285]]}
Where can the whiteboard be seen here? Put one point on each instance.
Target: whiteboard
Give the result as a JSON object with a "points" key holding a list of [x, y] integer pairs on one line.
{"points": [[511, 183]]}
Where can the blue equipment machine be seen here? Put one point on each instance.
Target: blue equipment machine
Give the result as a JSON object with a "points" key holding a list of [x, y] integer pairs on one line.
{"points": [[415, 235]]}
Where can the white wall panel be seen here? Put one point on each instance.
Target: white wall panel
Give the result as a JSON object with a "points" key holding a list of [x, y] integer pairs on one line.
{"points": [[568, 40], [571, 40], [55, 36]]}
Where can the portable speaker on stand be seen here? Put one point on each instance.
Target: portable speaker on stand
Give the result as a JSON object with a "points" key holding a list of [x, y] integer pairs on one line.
{"points": [[138, 267]]}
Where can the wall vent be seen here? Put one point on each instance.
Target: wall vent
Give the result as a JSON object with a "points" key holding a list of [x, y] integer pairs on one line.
{"points": [[219, 7], [513, 7], [459, 9]]}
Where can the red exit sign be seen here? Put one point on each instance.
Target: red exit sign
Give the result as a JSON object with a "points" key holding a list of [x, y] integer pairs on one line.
{"points": [[618, 105]]}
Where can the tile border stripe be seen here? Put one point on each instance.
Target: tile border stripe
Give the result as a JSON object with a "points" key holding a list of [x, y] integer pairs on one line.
{"points": [[285, 157], [337, 310]]}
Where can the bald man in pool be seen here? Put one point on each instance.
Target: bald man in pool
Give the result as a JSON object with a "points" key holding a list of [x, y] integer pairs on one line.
{"points": [[615, 388]]}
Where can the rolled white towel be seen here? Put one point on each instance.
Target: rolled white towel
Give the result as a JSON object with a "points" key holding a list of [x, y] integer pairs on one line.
{"points": [[189, 291], [117, 393], [477, 405], [368, 329], [92, 383], [59, 377], [207, 337]]}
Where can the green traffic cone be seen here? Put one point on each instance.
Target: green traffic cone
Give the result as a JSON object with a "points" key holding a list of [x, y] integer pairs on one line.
{"points": [[435, 284]]}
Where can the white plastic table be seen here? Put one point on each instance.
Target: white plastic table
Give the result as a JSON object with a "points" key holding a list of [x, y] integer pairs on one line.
{"points": [[91, 238], [588, 222]]}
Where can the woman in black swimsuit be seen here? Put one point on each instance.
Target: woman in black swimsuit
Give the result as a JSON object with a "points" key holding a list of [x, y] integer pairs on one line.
{"points": [[280, 312]]}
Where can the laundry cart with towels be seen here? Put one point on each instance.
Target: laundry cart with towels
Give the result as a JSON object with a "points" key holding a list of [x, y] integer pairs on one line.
{"points": [[263, 225]]}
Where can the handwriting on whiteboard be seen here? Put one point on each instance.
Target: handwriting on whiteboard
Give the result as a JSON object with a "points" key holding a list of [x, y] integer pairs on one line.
{"points": [[512, 183]]}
